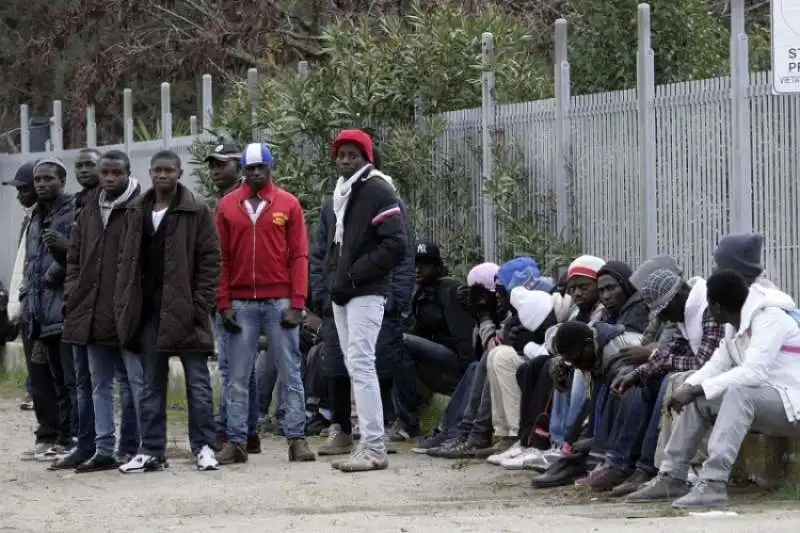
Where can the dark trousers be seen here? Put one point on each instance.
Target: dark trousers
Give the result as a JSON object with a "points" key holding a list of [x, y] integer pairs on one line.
{"points": [[341, 406], [476, 424], [454, 412], [647, 454], [51, 399], [536, 386], [435, 366], [84, 405], [154, 398]]}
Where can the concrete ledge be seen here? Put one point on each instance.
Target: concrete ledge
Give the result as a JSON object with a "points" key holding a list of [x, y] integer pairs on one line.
{"points": [[13, 360]]}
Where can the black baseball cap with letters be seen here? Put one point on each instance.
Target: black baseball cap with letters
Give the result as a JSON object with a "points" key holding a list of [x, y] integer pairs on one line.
{"points": [[224, 152], [23, 177]]}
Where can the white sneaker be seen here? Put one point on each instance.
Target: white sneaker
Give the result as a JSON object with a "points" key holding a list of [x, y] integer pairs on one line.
{"points": [[206, 460], [38, 449], [518, 462], [143, 463], [541, 461], [498, 458], [50, 454]]}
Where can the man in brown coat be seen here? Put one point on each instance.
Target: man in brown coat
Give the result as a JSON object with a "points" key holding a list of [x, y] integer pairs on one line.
{"points": [[165, 293], [90, 324]]}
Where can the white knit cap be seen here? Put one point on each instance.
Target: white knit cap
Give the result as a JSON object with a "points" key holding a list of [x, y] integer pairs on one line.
{"points": [[586, 266], [532, 307]]}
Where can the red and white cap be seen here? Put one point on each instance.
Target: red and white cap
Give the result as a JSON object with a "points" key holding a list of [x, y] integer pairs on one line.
{"points": [[586, 266]]}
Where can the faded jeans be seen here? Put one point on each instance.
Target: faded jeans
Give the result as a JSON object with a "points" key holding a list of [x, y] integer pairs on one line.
{"points": [[263, 317], [222, 365], [85, 404], [106, 363], [566, 408], [358, 324]]}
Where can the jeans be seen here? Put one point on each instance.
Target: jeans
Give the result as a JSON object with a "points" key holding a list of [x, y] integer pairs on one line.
{"points": [[104, 363], [257, 317], [70, 384], [647, 453], [631, 420], [85, 403], [222, 364], [435, 365], [476, 424], [457, 406], [266, 381], [130, 410], [154, 395], [566, 408], [358, 324]]}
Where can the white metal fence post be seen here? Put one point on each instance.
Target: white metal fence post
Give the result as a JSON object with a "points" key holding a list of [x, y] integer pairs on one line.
{"points": [[646, 91], [166, 115], [127, 119], [488, 220], [24, 129], [193, 125], [57, 127], [741, 185], [207, 103], [252, 89], [91, 127], [562, 132]]}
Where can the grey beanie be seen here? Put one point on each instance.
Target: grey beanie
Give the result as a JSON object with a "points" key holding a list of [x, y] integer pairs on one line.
{"points": [[740, 252], [659, 262]]}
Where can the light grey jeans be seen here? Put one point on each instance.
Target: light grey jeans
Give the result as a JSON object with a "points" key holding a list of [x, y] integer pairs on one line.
{"points": [[740, 410], [358, 324]]}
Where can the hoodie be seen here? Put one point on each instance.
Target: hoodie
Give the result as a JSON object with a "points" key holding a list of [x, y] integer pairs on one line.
{"points": [[634, 314], [763, 351]]}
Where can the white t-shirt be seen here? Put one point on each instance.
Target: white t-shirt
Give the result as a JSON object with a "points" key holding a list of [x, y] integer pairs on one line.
{"points": [[158, 216], [255, 214]]}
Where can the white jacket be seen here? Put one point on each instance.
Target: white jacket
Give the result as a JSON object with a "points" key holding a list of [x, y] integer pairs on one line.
{"points": [[15, 286], [765, 350]]}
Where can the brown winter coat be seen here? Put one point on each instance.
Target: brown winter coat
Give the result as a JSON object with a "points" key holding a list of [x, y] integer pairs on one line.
{"points": [[191, 275], [92, 274]]}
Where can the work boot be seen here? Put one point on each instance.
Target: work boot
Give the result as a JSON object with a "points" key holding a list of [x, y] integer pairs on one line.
{"points": [[632, 484], [299, 451], [705, 495], [661, 488], [253, 444], [220, 441], [232, 453], [338, 443]]}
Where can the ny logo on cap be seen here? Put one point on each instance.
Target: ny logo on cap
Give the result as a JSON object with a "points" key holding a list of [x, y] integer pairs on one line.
{"points": [[422, 249], [218, 148]]}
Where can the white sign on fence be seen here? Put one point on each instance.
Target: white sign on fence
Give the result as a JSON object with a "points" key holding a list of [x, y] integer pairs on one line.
{"points": [[785, 21]]}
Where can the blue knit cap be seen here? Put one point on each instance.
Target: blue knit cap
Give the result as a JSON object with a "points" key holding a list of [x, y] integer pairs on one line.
{"points": [[518, 271]]}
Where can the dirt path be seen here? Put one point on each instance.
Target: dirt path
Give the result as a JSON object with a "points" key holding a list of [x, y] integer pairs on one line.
{"points": [[415, 495]]}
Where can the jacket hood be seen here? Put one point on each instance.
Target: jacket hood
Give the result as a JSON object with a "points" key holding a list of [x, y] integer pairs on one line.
{"points": [[760, 297], [659, 262]]}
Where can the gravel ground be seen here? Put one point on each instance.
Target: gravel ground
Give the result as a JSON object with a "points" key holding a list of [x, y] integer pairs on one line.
{"points": [[415, 495]]}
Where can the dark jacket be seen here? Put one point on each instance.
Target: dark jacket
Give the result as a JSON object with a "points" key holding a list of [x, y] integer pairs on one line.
{"points": [[42, 295], [191, 274], [454, 326], [375, 242], [634, 315], [92, 273], [389, 346]]}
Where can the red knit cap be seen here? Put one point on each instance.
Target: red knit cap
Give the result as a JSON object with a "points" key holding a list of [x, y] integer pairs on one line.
{"points": [[357, 137]]}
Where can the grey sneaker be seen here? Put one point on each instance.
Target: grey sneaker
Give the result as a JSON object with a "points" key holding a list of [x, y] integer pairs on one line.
{"points": [[661, 488], [364, 460], [51, 453], [338, 443], [704, 495], [37, 449]]}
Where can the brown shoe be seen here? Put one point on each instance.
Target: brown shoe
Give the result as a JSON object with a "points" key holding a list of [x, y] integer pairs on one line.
{"points": [[221, 440], [232, 453], [607, 479], [254, 444], [500, 445], [299, 451], [632, 484]]}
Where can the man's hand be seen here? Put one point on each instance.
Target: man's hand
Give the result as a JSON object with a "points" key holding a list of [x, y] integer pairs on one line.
{"points": [[637, 355], [582, 446], [560, 374], [682, 397], [291, 318], [512, 334], [55, 241], [229, 321], [622, 383]]}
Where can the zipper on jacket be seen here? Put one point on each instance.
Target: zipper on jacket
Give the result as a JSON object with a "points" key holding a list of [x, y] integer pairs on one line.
{"points": [[255, 292]]}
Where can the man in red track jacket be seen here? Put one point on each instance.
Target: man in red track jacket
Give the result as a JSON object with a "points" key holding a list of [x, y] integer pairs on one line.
{"points": [[262, 290]]}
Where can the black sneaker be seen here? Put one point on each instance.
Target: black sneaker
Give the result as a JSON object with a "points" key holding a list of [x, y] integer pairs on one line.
{"points": [[27, 403], [69, 461], [315, 426], [446, 445], [144, 463], [432, 440], [98, 463], [462, 450], [399, 433]]}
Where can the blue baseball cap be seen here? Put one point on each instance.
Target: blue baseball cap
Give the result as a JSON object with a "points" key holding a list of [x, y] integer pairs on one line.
{"points": [[257, 154]]}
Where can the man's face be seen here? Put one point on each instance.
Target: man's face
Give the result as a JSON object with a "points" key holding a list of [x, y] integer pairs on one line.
{"points": [[349, 159], [503, 300], [674, 312], [610, 293], [165, 173], [86, 169], [583, 291], [257, 176], [426, 272], [720, 316], [26, 196], [113, 176], [224, 174], [583, 359], [47, 182]]}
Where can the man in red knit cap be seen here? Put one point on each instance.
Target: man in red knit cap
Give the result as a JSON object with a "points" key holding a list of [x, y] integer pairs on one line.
{"points": [[367, 241], [262, 290]]}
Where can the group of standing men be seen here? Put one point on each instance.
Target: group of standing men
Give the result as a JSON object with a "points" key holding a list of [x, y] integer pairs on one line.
{"points": [[112, 281]]}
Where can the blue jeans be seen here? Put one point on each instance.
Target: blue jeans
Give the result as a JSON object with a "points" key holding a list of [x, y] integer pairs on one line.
{"points": [[566, 408], [457, 406], [647, 454], [222, 365], [85, 404], [266, 380], [631, 419], [257, 317], [105, 363], [153, 402]]}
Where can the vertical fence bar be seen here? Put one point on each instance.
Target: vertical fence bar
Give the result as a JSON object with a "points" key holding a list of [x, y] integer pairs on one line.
{"points": [[91, 127], [488, 220], [24, 129], [193, 125], [207, 103], [166, 115], [57, 127], [646, 90], [302, 68], [741, 185], [252, 89], [562, 132], [127, 118]]}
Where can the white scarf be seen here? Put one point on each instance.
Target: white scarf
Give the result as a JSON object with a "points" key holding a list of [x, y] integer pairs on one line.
{"points": [[107, 207], [341, 196]]}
